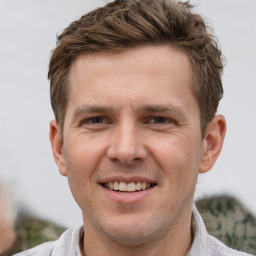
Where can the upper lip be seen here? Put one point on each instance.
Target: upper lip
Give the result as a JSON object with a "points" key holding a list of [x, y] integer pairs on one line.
{"points": [[127, 179]]}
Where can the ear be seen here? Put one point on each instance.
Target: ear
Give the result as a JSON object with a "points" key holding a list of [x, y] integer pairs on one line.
{"points": [[57, 147], [212, 143]]}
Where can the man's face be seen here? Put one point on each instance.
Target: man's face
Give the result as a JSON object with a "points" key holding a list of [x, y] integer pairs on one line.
{"points": [[132, 122]]}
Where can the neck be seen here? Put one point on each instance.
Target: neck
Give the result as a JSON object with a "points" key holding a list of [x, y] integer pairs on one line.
{"points": [[176, 242]]}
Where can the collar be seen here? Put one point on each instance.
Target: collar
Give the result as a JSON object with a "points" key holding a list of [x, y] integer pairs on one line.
{"points": [[200, 235]]}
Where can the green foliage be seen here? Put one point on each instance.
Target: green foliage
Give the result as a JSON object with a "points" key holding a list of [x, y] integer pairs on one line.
{"points": [[32, 231], [230, 222]]}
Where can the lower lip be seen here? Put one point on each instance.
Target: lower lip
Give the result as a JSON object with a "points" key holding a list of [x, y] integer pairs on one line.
{"points": [[127, 197]]}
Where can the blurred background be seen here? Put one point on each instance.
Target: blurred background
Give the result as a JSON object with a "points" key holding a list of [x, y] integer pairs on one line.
{"points": [[28, 173]]}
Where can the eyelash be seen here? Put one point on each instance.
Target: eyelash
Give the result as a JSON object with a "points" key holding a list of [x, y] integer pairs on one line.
{"points": [[90, 120], [161, 118]]}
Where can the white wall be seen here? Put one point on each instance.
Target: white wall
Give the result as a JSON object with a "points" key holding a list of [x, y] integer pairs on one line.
{"points": [[27, 35]]}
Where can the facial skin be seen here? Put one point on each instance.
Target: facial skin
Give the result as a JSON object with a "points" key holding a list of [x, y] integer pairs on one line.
{"points": [[132, 116]]}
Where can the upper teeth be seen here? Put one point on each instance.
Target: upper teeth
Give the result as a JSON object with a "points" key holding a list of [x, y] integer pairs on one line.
{"points": [[127, 187]]}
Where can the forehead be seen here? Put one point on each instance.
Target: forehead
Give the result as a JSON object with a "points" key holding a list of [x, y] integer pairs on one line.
{"points": [[149, 73], [147, 61]]}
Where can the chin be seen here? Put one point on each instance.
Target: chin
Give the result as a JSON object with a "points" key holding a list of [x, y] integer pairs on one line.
{"points": [[134, 231], [130, 237]]}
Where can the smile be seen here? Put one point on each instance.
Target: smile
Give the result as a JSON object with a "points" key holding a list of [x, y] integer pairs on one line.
{"points": [[128, 187]]}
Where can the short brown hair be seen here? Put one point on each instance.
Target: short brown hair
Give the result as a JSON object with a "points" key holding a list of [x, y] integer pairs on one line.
{"points": [[125, 24]]}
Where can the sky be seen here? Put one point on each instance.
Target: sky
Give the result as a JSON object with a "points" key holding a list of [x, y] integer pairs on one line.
{"points": [[28, 31]]}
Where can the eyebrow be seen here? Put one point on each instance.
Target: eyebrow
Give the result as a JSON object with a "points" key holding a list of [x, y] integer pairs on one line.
{"points": [[175, 110], [85, 109], [159, 108]]}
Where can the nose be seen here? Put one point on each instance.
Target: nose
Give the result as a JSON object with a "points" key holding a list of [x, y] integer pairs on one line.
{"points": [[127, 145]]}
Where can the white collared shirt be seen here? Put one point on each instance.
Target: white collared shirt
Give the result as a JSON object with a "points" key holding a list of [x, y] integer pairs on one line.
{"points": [[203, 243]]}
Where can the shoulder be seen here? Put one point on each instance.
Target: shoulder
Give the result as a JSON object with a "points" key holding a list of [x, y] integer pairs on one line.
{"points": [[217, 248], [40, 250], [66, 244]]}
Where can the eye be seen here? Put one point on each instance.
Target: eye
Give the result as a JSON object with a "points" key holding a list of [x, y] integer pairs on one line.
{"points": [[160, 120], [94, 120]]}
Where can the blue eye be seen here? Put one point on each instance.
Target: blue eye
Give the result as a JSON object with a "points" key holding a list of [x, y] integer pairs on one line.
{"points": [[96, 120], [159, 119], [95, 123]]}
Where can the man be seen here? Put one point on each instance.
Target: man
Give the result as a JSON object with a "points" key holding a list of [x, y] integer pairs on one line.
{"points": [[135, 87]]}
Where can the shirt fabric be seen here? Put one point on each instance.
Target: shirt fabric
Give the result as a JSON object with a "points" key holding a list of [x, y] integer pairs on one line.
{"points": [[203, 243]]}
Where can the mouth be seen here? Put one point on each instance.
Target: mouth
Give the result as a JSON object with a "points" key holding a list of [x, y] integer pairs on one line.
{"points": [[131, 187]]}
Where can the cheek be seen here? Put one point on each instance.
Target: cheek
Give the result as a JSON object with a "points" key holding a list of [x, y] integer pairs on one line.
{"points": [[81, 165], [178, 157], [80, 175], [83, 155]]}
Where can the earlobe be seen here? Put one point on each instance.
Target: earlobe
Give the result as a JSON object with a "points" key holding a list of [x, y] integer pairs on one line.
{"points": [[212, 143], [57, 147]]}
